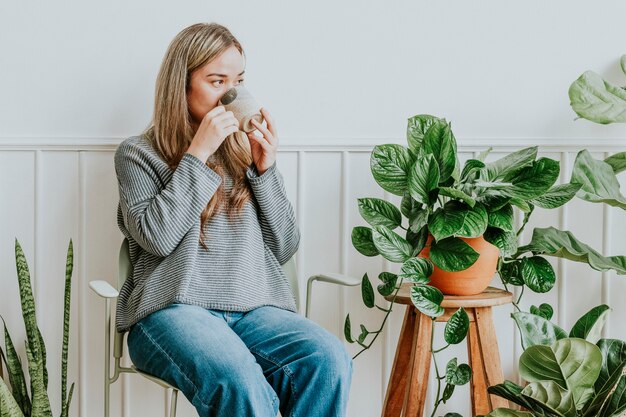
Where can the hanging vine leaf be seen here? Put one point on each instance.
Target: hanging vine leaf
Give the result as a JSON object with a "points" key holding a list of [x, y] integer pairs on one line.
{"points": [[363, 242], [427, 299], [367, 292], [457, 327], [538, 274]]}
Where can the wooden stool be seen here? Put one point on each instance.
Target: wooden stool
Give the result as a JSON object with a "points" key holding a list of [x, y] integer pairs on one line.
{"points": [[411, 367]]}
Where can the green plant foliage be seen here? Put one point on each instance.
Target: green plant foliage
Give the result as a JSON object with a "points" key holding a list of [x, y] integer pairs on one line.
{"points": [[427, 299], [456, 327], [590, 325], [536, 330], [453, 254], [597, 180], [597, 100]]}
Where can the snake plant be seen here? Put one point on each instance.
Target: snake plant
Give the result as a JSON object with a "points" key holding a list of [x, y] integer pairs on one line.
{"points": [[18, 401]]}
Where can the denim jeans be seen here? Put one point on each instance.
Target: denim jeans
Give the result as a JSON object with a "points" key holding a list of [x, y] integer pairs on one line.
{"points": [[245, 363]]}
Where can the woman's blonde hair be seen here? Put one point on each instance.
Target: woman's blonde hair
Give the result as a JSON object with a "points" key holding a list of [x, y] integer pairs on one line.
{"points": [[171, 130]]}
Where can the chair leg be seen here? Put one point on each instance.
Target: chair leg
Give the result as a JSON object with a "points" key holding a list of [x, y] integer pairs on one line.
{"points": [[173, 403], [489, 348], [419, 367]]}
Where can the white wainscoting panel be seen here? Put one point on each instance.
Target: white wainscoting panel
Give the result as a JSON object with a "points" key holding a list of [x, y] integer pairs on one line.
{"points": [[57, 189]]}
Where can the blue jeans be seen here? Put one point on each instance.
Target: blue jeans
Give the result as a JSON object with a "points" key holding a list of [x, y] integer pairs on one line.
{"points": [[245, 363]]}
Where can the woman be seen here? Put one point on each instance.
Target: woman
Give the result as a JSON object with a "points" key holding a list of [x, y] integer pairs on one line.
{"points": [[208, 307]]}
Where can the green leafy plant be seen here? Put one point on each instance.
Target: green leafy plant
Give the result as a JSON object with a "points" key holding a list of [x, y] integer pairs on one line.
{"points": [[570, 375], [17, 401], [443, 200], [596, 99]]}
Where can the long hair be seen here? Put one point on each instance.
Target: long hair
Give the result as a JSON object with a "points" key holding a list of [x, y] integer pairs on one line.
{"points": [[171, 130]]}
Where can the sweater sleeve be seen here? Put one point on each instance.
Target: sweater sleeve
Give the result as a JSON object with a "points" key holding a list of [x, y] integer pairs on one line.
{"points": [[276, 215], [158, 217]]}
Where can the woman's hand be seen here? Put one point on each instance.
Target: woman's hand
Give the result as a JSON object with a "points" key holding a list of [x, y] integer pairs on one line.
{"points": [[264, 148]]}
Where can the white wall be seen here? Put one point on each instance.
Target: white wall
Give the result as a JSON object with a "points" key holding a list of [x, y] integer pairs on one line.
{"points": [[76, 78]]}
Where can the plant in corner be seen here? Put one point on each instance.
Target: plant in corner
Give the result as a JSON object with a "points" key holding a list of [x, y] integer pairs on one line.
{"points": [[16, 401], [460, 226]]}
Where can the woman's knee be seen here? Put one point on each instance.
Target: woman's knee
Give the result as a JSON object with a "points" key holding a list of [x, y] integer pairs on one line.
{"points": [[329, 355]]}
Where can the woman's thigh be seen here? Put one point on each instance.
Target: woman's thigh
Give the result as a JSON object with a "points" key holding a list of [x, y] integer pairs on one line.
{"points": [[197, 352]]}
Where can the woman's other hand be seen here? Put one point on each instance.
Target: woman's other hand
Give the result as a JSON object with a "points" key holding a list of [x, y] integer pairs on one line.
{"points": [[264, 148], [216, 125]]}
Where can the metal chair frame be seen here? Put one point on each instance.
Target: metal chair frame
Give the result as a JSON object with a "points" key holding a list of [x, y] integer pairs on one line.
{"points": [[105, 290]]}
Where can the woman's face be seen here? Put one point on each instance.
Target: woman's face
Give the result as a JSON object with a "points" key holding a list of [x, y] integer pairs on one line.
{"points": [[209, 83]]}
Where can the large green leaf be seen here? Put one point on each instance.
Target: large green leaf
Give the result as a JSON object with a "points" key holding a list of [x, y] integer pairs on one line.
{"points": [[597, 100], [599, 184], [538, 274], [470, 169], [503, 240], [453, 254], [536, 330], [417, 240], [427, 299], [556, 196], [617, 162], [363, 242], [512, 392], [417, 270], [501, 218], [408, 206], [389, 283], [616, 403], [552, 397], [613, 363], [572, 363], [456, 327], [378, 212], [8, 405], [418, 220], [391, 246], [589, 326], [562, 244], [16, 373], [457, 194], [417, 127], [530, 182], [390, 165], [423, 177], [35, 348], [456, 218], [440, 142], [457, 374], [505, 168]]}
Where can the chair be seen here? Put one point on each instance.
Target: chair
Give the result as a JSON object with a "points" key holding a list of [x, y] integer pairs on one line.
{"points": [[106, 291]]}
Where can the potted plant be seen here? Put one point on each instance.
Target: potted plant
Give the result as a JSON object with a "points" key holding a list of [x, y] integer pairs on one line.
{"points": [[16, 402], [450, 209]]}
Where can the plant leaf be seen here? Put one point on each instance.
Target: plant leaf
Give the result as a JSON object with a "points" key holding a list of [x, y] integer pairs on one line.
{"points": [[470, 169], [556, 196], [538, 274], [613, 363], [440, 142], [551, 396], [452, 254], [390, 164], [389, 283], [599, 184], [536, 330], [458, 194], [589, 326], [379, 212], [417, 240], [418, 220], [562, 244], [503, 240], [427, 299], [417, 126], [16, 373], [505, 412], [391, 246], [597, 100], [69, 266], [8, 405], [617, 161], [501, 218], [512, 392], [417, 270], [506, 167], [457, 375], [448, 220], [616, 403], [456, 327], [544, 310], [367, 292], [532, 181], [362, 241], [423, 177], [408, 206], [572, 363], [347, 329]]}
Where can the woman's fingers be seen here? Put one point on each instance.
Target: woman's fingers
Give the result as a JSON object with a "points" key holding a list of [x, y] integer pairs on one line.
{"points": [[270, 122]]}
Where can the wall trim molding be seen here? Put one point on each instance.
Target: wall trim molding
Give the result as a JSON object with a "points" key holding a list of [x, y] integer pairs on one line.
{"points": [[325, 144]]}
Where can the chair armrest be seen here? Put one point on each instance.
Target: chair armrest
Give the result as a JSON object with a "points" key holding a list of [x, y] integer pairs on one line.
{"points": [[103, 289], [334, 278]]}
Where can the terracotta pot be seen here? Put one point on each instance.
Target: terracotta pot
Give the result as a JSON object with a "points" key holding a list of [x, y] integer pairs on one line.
{"points": [[472, 280]]}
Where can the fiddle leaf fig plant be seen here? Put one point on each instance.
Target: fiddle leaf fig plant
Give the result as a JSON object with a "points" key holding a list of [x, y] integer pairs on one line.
{"points": [[443, 201]]}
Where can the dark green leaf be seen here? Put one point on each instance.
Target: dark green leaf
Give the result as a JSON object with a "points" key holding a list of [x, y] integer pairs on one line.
{"points": [[494, 202], [457, 327], [390, 165], [511, 273], [538, 274], [389, 283], [417, 126], [440, 142], [367, 292], [452, 254], [457, 194], [417, 240], [447, 392], [417, 270], [470, 169], [363, 242], [363, 335], [617, 402], [556, 196], [554, 242], [378, 212], [536, 330], [512, 392], [418, 220], [599, 184], [390, 245], [544, 310], [617, 162], [408, 206], [533, 181], [423, 177], [427, 299], [16, 373], [613, 363], [457, 375], [589, 326], [347, 332], [505, 168], [505, 241], [446, 221], [502, 218]]}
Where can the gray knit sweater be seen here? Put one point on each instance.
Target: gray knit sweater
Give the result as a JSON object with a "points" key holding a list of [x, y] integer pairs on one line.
{"points": [[159, 212]]}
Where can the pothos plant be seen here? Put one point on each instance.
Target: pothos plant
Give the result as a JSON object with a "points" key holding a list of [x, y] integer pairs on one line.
{"points": [[17, 401], [447, 202]]}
